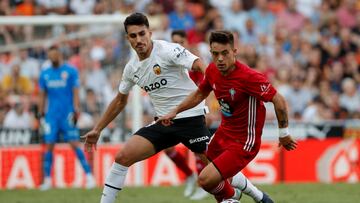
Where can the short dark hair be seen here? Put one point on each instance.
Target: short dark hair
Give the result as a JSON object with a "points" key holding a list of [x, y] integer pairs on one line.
{"points": [[136, 19], [222, 37], [181, 33]]}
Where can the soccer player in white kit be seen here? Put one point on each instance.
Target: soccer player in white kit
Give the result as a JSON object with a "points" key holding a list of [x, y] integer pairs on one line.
{"points": [[160, 68]]}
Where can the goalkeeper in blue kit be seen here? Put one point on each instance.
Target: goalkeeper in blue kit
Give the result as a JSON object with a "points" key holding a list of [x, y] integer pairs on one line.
{"points": [[58, 110]]}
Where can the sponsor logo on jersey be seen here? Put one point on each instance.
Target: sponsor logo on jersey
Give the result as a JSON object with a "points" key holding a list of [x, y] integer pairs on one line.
{"points": [[157, 69], [155, 85], [64, 75], [199, 139], [225, 108]]}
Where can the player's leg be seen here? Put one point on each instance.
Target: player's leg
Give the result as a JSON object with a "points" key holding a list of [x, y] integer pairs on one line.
{"points": [[212, 180], [201, 161], [90, 180], [137, 148], [50, 130], [181, 162], [72, 136], [145, 143], [241, 182]]}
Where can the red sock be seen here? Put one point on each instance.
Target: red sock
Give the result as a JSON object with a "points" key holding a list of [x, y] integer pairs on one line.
{"points": [[200, 165], [180, 162], [223, 191]]}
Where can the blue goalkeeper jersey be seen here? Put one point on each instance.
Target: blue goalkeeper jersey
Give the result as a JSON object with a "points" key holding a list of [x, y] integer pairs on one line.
{"points": [[58, 84]]}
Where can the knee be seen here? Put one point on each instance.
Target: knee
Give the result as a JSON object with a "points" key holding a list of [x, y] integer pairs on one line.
{"points": [[123, 158], [204, 182]]}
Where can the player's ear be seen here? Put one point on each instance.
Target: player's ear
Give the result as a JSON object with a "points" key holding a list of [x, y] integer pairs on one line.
{"points": [[235, 50]]}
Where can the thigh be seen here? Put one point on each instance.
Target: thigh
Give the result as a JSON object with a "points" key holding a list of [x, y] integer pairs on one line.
{"points": [[160, 136], [231, 161], [193, 133], [137, 148], [51, 130], [70, 131]]}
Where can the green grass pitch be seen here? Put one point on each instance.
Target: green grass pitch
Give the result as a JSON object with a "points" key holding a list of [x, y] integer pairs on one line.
{"points": [[281, 193]]}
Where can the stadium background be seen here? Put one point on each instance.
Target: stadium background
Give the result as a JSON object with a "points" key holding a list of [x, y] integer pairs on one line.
{"points": [[308, 49]]}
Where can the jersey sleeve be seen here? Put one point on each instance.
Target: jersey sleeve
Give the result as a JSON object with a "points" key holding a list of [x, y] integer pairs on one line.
{"points": [[180, 56], [126, 82], [205, 85], [259, 87]]}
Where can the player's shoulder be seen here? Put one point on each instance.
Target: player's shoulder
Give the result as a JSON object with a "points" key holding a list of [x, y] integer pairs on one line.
{"points": [[248, 72], [165, 47]]}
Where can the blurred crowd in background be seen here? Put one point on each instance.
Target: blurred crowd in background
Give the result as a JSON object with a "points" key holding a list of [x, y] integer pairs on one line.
{"points": [[309, 50]]}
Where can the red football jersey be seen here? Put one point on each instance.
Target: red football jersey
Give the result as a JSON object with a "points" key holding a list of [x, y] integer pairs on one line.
{"points": [[240, 95]]}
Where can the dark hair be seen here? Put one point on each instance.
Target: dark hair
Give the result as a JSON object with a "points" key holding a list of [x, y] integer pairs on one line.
{"points": [[181, 33], [136, 19], [53, 48], [222, 37]]}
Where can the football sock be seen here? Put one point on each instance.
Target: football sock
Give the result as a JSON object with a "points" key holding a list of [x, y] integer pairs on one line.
{"points": [[48, 159], [241, 182], [200, 165], [222, 191], [180, 162], [114, 182], [81, 156]]}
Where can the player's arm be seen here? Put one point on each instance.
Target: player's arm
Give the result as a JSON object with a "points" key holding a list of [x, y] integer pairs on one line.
{"points": [[198, 65], [42, 100], [76, 100], [281, 111], [114, 108], [189, 102]]}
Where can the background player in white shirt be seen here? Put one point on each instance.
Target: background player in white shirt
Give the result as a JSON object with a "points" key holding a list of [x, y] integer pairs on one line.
{"points": [[160, 68]]}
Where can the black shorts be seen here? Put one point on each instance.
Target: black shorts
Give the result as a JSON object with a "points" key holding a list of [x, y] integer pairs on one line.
{"points": [[191, 131]]}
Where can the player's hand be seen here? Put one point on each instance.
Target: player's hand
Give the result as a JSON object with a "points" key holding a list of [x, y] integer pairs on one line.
{"points": [[167, 119], [75, 117], [91, 139], [287, 142]]}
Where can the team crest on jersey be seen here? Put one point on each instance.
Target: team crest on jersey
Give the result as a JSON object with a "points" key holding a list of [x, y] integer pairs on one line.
{"points": [[232, 93], [64, 75], [157, 69]]}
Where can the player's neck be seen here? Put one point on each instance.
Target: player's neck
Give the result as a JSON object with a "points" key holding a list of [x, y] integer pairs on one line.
{"points": [[147, 53], [228, 71]]}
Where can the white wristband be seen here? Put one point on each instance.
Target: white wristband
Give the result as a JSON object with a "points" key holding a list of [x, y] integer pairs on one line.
{"points": [[283, 132]]}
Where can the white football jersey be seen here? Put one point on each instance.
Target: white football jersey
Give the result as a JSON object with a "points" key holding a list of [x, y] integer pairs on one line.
{"points": [[164, 76]]}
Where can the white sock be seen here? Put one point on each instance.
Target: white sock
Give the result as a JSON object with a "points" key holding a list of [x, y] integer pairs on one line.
{"points": [[113, 183], [241, 182]]}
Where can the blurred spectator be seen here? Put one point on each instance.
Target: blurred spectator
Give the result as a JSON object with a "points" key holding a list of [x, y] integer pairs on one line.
{"points": [[180, 18], [346, 14], [18, 117], [350, 98], [290, 18], [280, 59], [235, 17], [308, 7], [95, 77], [82, 7], [52, 6], [298, 97], [29, 67], [15, 83], [91, 105], [249, 35], [263, 19]]}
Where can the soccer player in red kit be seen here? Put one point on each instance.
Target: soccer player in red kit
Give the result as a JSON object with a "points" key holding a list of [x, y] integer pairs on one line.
{"points": [[241, 92]]}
